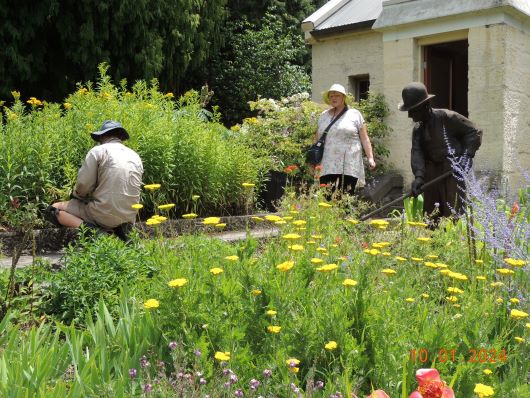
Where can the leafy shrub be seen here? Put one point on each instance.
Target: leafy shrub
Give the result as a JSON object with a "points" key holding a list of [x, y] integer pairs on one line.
{"points": [[42, 149], [94, 269]]}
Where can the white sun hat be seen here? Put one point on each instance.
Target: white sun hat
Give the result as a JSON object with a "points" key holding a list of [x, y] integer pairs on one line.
{"points": [[338, 88]]}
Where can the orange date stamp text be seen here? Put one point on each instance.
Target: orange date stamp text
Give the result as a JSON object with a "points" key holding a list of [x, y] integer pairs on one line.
{"points": [[473, 355]]}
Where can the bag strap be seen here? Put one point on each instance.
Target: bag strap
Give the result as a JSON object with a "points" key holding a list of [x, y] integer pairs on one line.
{"points": [[323, 138]]}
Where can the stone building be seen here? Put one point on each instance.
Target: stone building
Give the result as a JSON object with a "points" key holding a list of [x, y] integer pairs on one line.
{"points": [[473, 54]]}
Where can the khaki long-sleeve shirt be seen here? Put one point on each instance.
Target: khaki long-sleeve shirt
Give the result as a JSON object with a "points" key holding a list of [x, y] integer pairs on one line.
{"points": [[110, 182]]}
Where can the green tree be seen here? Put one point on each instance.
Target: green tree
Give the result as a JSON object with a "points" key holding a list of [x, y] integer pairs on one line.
{"points": [[265, 62], [50, 45]]}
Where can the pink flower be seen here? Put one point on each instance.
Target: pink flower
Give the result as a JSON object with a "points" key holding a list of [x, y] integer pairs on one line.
{"points": [[378, 394], [430, 385]]}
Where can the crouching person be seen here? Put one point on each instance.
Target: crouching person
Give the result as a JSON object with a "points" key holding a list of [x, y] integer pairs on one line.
{"points": [[108, 183]]}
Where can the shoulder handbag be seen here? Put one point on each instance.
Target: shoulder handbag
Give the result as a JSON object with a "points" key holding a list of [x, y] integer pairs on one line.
{"points": [[316, 151]]}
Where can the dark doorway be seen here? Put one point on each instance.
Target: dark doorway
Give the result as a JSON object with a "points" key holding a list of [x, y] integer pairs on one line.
{"points": [[445, 75]]}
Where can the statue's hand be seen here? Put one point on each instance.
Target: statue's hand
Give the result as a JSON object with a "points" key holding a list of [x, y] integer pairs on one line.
{"points": [[416, 186]]}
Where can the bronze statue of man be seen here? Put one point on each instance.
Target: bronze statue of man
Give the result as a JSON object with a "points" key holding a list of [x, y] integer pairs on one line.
{"points": [[442, 140]]}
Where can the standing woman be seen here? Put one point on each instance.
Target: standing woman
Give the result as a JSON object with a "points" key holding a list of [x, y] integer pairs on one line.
{"points": [[342, 163]]}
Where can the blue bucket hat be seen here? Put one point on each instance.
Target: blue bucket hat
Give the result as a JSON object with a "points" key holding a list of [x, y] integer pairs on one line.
{"points": [[107, 127]]}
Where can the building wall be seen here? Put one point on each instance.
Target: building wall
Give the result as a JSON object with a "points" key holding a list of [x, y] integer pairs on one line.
{"points": [[516, 149], [486, 92], [335, 59]]}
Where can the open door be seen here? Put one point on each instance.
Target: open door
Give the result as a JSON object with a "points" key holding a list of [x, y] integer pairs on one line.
{"points": [[445, 75]]}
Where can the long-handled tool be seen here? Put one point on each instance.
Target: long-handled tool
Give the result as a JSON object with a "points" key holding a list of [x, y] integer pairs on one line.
{"points": [[407, 195]]}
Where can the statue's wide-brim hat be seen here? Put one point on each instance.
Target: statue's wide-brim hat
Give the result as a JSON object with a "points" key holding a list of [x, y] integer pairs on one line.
{"points": [[414, 94], [107, 127]]}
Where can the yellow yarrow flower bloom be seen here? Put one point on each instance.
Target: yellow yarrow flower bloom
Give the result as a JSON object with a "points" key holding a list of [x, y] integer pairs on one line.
{"points": [[328, 268], [257, 219], [455, 290], [189, 216], [487, 372], [388, 271], [499, 300], [274, 329], [299, 223], [166, 206], [479, 262], [330, 345], [220, 225], [480, 278], [152, 187], [285, 266], [514, 262], [177, 282], [514, 300], [67, 105], [483, 390], [292, 361], [287, 218], [519, 339], [152, 221], [372, 252], [430, 264], [211, 220], [410, 299], [255, 292], [34, 101], [317, 236], [432, 256], [352, 221], [232, 258], [425, 295], [248, 185], [272, 217], [349, 282], [399, 258], [271, 312], [517, 314], [137, 206], [496, 284], [381, 245], [222, 356], [322, 250], [151, 303], [296, 248], [216, 271], [159, 218], [452, 299], [324, 205], [379, 223], [442, 265], [527, 325], [505, 271], [417, 259], [315, 260], [423, 239], [291, 236]]}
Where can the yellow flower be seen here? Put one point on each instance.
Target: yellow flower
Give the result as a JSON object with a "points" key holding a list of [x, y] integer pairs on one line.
{"points": [[222, 356], [328, 268], [166, 206], [287, 218], [500, 300], [410, 299], [137, 206], [220, 225], [372, 252], [487, 372], [257, 219], [296, 248], [458, 276], [34, 101], [352, 221], [274, 329], [177, 282], [232, 258], [527, 325], [425, 295], [285, 266], [483, 390], [195, 197], [514, 262], [400, 258], [152, 221], [379, 223], [211, 220], [152, 187], [381, 245], [169, 95], [255, 292], [430, 264], [349, 282], [423, 239], [317, 260], [273, 218], [330, 345], [15, 94], [417, 259], [519, 339], [216, 271], [452, 299], [292, 362], [291, 236], [299, 223], [248, 185], [496, 284], [481, 278], [271, 312], [505, 271], [324, 205], [322, 250], [159, 218], [67, 105], [455, 290], [189, 216], [517, 314], [280, 222], [388, 271], [514, 300], [151, 303], [432, 256], [317, 236], [479, 262]]}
